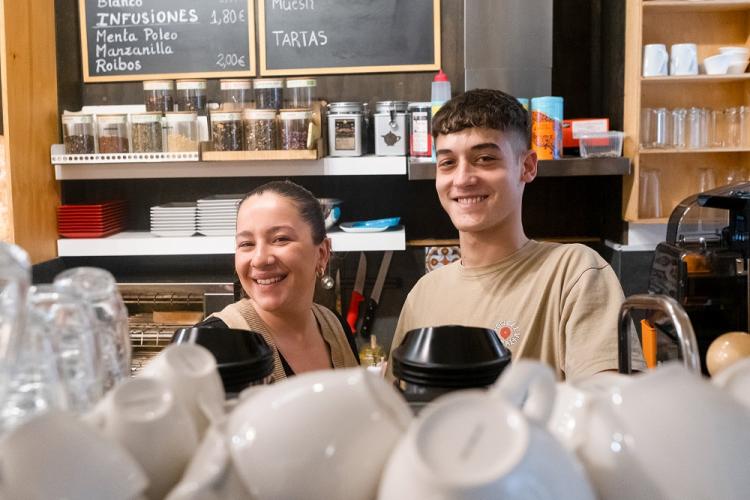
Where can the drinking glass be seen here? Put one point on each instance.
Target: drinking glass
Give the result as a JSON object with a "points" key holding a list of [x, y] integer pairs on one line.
{"points": [[706, 179], [98, 288], [646, 115], [745, 126], [679, 117], [661, 128], [649, 206], [68, 322], [733, 131], [15, 279], [695, 129]]}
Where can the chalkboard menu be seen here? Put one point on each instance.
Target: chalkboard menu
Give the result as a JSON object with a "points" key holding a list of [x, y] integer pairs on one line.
{"points": [[348, 36], [143, 39]]}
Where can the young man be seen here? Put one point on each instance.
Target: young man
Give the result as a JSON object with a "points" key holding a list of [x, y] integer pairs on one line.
{"points": [[556, 303]]}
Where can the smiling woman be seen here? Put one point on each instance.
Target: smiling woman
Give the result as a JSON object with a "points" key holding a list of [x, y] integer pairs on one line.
{"points": [[281, 249]]}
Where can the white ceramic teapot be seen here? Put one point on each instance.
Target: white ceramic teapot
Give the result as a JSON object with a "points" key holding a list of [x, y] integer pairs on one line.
{"points": [[735, 380]]}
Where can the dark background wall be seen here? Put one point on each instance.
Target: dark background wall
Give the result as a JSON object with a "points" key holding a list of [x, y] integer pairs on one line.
{"points": [[588, 54]]}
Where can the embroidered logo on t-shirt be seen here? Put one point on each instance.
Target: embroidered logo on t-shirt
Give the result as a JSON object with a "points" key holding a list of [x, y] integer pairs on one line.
{"points": [[508, 332]]}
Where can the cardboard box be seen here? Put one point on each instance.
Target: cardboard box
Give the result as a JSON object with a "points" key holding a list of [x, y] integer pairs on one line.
{"points": [[572, 129]]}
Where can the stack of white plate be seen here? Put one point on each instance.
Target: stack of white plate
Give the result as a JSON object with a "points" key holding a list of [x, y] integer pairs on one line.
{"points": [[217, 215], [173, 219]]}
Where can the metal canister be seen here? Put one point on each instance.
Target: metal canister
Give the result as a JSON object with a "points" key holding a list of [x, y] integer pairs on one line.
{"points": [[546, 127], [345, 130], [391, 132], [420, 126]]}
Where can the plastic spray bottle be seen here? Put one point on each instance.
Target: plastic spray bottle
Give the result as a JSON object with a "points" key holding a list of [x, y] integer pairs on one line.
{"points": [[441, 93]]}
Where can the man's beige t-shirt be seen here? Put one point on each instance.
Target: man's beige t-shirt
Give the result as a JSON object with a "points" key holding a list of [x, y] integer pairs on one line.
{"points": [[556, 303]]}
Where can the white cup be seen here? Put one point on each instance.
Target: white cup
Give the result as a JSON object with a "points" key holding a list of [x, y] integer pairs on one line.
{"points": [[473, 445], [718, 64], [211, 474], [55, 455], [655, 59], [143, 416], [683, 59], [190, 371], [322, 435], [735, 380]]}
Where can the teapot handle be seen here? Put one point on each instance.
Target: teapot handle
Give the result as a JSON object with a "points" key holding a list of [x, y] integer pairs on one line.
{"points": [[530, 386]]}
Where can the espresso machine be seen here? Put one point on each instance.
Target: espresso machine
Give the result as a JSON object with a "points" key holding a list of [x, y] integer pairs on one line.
{"points": [[703, 264]]}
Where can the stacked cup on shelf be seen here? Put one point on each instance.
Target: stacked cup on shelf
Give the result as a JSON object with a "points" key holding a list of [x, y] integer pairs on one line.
{"points": [[695, 128], [682, 60]]}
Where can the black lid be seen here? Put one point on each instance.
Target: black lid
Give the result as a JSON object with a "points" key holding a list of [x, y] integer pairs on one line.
{"points": [[241, 355], [450, 356]]}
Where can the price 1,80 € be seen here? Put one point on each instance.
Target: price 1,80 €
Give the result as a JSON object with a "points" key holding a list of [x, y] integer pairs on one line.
{"points": [[227, 16]]}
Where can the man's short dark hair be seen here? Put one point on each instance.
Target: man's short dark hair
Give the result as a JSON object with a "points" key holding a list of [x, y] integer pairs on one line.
{"points": [[484, 108]]}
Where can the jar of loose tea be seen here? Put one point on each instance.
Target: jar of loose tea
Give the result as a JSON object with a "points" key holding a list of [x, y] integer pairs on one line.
{"points": [[78, 134], [300, 92], [261, 129], [191, 96], [226, 130], [294, 124], [391, 134], [146, 132], [268, 92], [345, 131], [182, 131], [236, 94], [112, 131], [158, 95]]}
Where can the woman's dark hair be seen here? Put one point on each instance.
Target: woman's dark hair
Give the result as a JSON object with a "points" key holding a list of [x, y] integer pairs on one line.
{"points": [[307, 204], [485, 108]]}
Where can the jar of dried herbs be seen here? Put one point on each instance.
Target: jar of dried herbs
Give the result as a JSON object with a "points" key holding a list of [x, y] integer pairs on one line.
{"points": [[78, 133], [268, 92], [236, 94], [345, 128], [158, 95], [294, 124], [261, 129], [112, 132], [182, 131], [191, 96], [226, 130], [146, 132]]}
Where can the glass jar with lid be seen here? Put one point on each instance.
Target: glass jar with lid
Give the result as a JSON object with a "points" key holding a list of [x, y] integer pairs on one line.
{"points": [[236, 93], [158, 95], [182, 131], [78, 133], [300, 92], [261, 129], [146, 132], [191, 96], [293, 128], [391, 134], [268, 92], [226, 130], [112, 131], [345, 128]]}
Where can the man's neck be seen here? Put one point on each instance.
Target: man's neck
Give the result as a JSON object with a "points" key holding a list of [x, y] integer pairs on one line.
{"points": [[483, 249]]}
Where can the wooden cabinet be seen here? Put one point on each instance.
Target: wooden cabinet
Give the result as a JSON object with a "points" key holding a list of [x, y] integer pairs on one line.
{"points": [[29, 193], [710, 24]]}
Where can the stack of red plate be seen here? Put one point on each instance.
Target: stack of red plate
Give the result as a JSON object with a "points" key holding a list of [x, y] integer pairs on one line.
{"points": [[91, 221]]}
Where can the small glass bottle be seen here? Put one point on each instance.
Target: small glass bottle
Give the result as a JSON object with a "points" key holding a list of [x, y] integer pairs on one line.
{"points": [[78, 134], [226, 130], [294, 124], [191, 96], [261, 129], [268, 93], [146, 133], [235, 94], [182, 131], [158, 95], [113, 134], [372, 357], [300, 92]]}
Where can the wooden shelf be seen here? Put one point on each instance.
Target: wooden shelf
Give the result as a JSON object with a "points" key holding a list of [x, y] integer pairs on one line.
{"points": [[360, 165], [566, 167], [693, 151], [144, 243], [742, 77], [695, 5]]}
